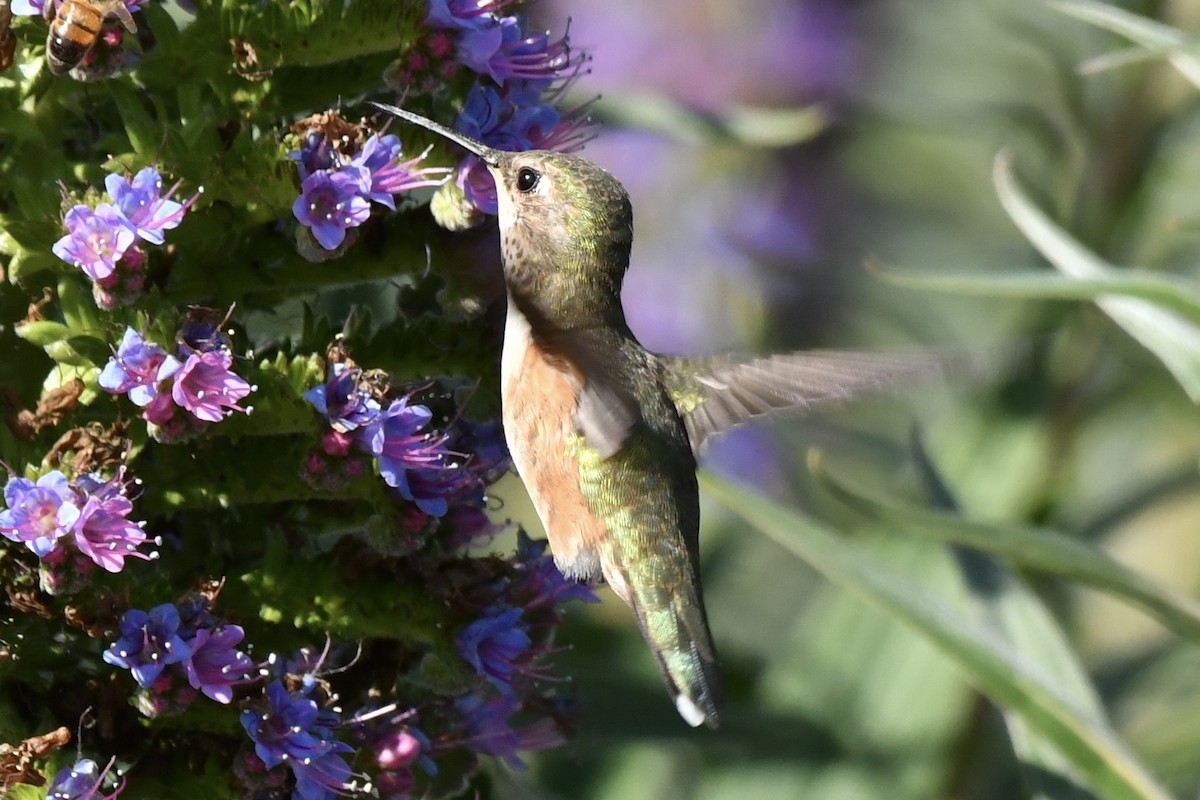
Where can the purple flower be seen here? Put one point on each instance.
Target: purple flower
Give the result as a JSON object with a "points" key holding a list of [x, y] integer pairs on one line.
{"points": [[511, 118], [505, 52], [505, 118], [389, 176], [205, 386], [106, 535], [201, 646], [295, 731], [138, 368], [403, 452], [493, 644], [216, 664], [464, 14], [539, 585], [331, 202], [433, 490], [468, 525], [83, 781], [345, 399], [489, 730], [92, 513], [95, 240], [140, 202], [39, 514], [148, 643]]}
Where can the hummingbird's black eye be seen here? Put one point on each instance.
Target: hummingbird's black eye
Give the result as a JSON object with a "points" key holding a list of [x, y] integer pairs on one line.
{"points": [[527, 179]]}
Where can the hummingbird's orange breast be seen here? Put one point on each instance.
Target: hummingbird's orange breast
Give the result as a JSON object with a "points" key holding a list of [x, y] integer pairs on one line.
{"points": [[540, 394]]}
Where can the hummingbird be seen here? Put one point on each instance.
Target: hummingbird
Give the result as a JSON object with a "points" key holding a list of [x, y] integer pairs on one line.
{"points": [[604, 434]]}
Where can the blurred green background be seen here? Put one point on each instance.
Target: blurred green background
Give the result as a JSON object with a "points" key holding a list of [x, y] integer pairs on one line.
{"points": [[770, 148]]}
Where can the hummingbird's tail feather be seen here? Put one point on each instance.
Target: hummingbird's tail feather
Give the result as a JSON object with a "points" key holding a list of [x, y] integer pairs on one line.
{"points": [[676, 628], [688, 662]]}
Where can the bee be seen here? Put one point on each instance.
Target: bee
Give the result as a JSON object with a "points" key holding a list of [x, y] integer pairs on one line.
{"points": [[8, 42], [75, 27]]}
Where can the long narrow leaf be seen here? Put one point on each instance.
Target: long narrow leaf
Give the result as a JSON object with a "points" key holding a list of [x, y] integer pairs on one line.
{"points": [[1009, 607], [1168, 291], [1174, 339], [989, 664], [1180, 49], [1039, 549]]}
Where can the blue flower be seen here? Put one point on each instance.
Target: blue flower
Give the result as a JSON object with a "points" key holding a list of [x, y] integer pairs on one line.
{"points": [[433, 490], [506, 119], [149, 642], [293, 730], [511, 118], [141, 202], [505, 52], [216, 664], [204, 384], [82, 781], [104, 533], [331, 202], [539, 585], [336, 191], [380, 157], [137, 368], [39, 514], [410, 461], [489, 731], [462, 14], [95, 240], [493, 644], [92, 513], [207, 387]]}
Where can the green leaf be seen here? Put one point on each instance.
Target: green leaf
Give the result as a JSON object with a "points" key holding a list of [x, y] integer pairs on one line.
{"points": [[1168, 291], [78, 307], [1014, 612], [1174, 339], [1178, 47], [1038, 549], [43, 332], [989, 663], [144, 132]]}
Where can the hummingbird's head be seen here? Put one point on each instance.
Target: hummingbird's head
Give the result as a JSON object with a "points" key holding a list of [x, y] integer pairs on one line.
{"points": [[566, 224], [562, 216]]}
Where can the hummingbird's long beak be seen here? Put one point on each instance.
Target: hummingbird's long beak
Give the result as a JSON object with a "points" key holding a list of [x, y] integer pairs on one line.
{"points": [[490, 156]]}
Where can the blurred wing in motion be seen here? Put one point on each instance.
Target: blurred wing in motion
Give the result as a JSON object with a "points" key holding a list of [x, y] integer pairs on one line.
{"points": [[716, 394]]}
